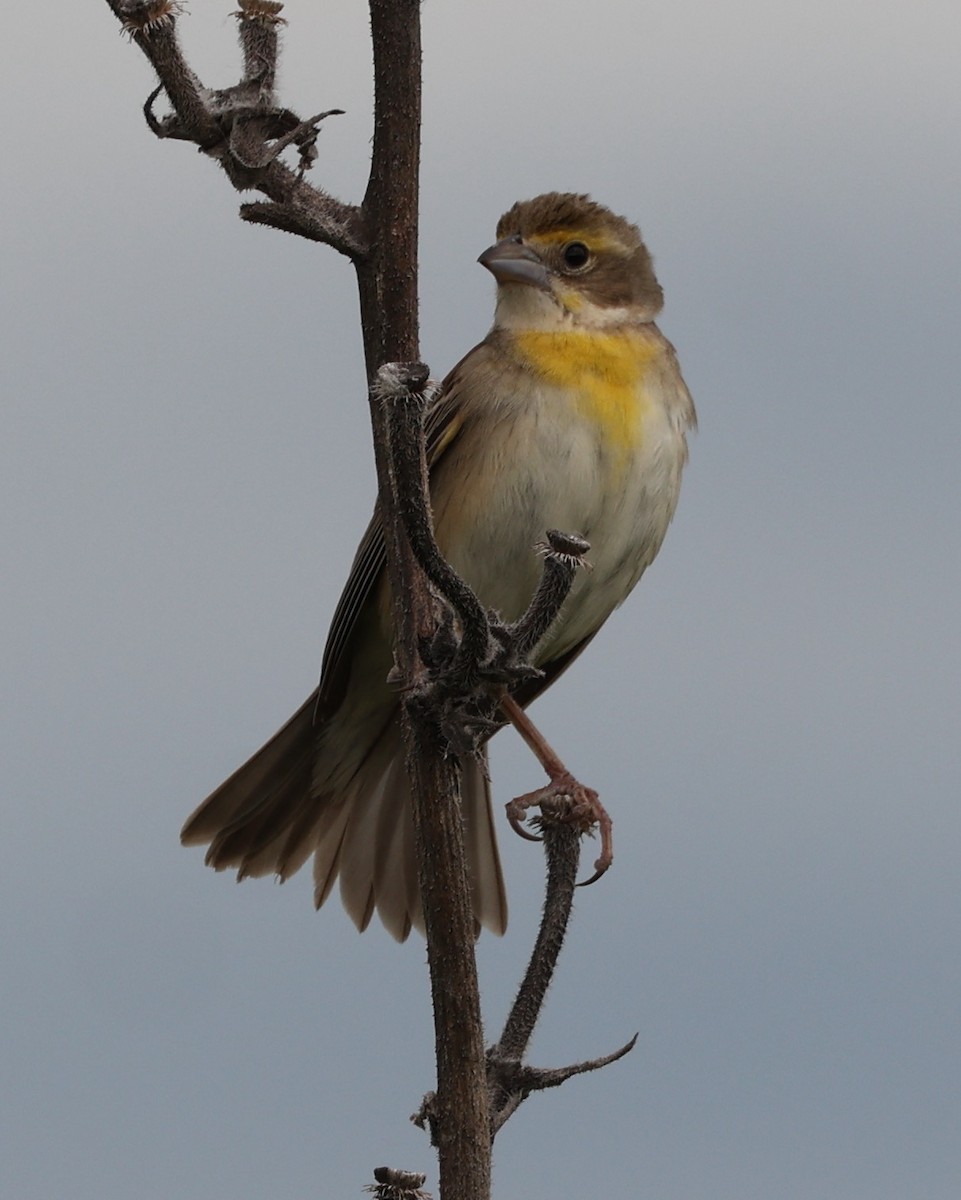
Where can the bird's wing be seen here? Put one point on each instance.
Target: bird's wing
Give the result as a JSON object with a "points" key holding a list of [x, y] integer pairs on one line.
{"points": [[442, 425]]}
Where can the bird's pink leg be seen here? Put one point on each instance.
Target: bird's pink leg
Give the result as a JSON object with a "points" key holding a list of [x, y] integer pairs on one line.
{"points": [[587, 810]]}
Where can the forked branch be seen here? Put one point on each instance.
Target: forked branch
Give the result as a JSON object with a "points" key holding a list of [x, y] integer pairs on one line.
{"points": [[453, 704], [243, 127], [459, 662]]}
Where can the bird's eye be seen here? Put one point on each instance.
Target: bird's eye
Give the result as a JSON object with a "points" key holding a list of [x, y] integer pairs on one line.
{"points": [[575, 255]]}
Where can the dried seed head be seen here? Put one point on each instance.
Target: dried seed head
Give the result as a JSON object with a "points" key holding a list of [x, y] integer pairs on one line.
{"points": [[145, 17], [267, 11], [397, 1185]]}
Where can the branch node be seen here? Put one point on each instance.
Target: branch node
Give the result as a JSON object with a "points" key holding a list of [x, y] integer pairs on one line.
{"points": [[510, 1082], [426, 1116]]}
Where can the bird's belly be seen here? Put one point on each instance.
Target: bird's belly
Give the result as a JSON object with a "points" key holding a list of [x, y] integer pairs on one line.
{"points": [[541, 474]]}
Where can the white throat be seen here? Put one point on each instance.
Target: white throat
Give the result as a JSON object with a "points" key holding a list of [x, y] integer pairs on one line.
{"points": [[521, 307]]}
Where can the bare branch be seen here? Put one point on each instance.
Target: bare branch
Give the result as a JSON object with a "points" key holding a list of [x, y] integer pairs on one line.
{"points": [[303, 135], [440, 703], [486, 649], [307, 221], [405, 430], [456, 670], [467, 667], [260, 21], [152, 25], [563, 553], [242, 127], [512, 1082], [509, 1079], [562, 849]]}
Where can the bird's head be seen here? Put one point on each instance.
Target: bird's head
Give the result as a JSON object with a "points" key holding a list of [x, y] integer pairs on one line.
{"points": [[562, 258]]}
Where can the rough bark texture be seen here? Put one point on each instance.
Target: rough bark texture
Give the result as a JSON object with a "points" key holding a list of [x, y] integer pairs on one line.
{"points": [[387, 279]]}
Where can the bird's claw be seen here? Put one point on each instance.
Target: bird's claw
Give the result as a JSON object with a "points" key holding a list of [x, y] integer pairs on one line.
{"points": [[600, 866], [581, 808], [590, 810], [517, 814]]}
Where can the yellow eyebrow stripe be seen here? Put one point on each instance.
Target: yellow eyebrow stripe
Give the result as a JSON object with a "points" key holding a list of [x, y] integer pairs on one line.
{"points": [[594, 239]]}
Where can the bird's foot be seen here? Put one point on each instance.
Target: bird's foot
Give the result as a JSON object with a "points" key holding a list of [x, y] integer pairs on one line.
{"points": [[566, 799]]}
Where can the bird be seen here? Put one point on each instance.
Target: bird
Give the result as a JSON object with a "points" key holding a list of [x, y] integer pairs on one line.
{"points": [[571, 414]]}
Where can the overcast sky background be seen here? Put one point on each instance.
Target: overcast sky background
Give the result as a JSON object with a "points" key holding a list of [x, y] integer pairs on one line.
{"points": [[773, 718]]}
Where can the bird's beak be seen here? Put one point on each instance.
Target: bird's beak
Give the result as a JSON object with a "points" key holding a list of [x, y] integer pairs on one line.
{"points": [[510, 261]]}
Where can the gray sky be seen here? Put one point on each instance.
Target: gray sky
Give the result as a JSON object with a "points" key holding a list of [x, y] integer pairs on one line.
{"points": [[772, 718]]}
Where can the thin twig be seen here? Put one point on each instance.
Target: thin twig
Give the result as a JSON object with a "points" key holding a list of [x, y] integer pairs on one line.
{"points": [[406, 417], [511, 1081], [563, 553], [562, 847]]}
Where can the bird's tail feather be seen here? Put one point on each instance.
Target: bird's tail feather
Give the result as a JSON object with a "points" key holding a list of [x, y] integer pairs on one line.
{"points": [[275, 811]]}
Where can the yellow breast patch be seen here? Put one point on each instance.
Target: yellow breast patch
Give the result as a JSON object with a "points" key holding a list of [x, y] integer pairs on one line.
{"points": [[603, 373]]}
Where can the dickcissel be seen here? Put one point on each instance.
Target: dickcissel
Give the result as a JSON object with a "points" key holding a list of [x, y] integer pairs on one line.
{"points": [[571, 414]]}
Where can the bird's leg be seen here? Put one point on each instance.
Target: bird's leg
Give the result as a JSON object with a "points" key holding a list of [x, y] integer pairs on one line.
{"points": [[587, 810]]}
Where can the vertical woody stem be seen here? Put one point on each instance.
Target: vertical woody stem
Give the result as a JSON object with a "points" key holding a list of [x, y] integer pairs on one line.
{"points": [[387, 280]]}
